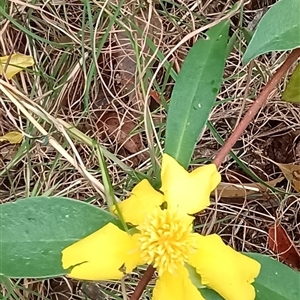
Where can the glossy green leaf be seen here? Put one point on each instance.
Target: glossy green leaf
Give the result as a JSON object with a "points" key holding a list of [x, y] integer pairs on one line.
{"points": [[276, 281], [195, 92], [33, 232], [278, 30], [292, 90]]}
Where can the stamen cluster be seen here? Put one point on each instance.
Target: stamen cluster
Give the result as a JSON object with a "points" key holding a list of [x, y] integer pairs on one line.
{"points": [[167, 239]]}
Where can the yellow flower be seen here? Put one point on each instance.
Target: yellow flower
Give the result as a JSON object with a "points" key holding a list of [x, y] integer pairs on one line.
{"points": [[165, 239], [15, 63]]}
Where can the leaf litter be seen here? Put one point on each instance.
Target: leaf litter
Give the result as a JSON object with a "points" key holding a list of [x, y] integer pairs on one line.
{"points": [[282, 245], [122, 129], [273, 134], [13, 137]]}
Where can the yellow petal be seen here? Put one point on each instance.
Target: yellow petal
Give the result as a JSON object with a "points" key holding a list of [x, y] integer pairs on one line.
{"points": [[188, 191], [143, 200], [105, 254], [176, 287], [14, 137], [223, 269], [13, 64]]}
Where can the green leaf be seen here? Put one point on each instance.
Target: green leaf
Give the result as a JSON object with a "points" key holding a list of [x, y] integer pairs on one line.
{"points": [[276, 281], [278, 30], [195, 92], [292, 90], [33, 232]]}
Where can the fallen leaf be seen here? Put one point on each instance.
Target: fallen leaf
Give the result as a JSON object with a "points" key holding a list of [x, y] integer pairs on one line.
{"points": [[15, 63], [292, 174], [281, 244], [125, 51], [292, 90], [126, 61], [14, 137], [110, 123], [233, 190], [155, 96]]}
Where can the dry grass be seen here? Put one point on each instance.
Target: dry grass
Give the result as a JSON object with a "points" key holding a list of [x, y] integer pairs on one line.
{"points": [[89, 63]]}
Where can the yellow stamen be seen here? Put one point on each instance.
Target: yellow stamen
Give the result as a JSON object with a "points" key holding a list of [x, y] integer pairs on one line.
{"points": [[167, 239]]}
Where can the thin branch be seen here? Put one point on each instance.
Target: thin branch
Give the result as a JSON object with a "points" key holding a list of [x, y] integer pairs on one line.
{"points": [[142, 283], [258, 103]]}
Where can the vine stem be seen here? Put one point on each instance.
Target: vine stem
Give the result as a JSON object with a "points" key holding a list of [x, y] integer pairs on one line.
{"points": [[142, 283], [236, 134], [258, 103]]}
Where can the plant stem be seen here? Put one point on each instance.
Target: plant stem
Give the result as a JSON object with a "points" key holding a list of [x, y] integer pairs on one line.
{"points": [[258, 103], [142, 283]]}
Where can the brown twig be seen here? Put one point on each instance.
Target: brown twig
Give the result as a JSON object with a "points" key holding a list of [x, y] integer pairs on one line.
{"points": [[142, 283], [258, 103]]}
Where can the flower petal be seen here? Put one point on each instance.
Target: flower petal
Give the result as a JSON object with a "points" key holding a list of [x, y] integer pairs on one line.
{"points": [[103, 255], [223, 269], [176, 287], [15, 64], [188, 191], [143, 200]]}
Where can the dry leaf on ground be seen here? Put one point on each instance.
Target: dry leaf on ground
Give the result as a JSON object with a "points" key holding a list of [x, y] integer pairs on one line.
{"points": [[15, 63], [14, 137], [126, 61], [292, 174], [155, 96], [281, 244], [233, 190], [125, 54], [110, 124]]}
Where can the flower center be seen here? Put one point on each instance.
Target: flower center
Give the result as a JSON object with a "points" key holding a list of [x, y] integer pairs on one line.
{"points": [[167, 239]]}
